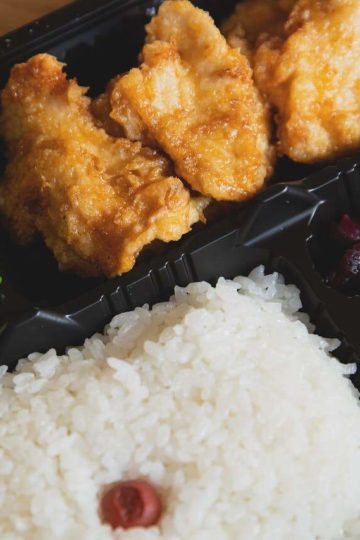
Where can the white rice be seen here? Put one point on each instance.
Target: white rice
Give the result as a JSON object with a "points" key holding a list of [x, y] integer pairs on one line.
{"points": [[222, 398]]}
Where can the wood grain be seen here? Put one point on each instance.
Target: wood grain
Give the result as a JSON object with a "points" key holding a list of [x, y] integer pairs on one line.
{"points": [[15, 13]]}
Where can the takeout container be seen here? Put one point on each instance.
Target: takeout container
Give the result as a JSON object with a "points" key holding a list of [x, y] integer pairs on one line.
{"points": [[282, 227]]}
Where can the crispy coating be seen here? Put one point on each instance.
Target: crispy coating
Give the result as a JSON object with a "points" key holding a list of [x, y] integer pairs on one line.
{"points": [[100, 108], [96, 200], [128, 125], [254, 20], [195, 96], [312, 78]]}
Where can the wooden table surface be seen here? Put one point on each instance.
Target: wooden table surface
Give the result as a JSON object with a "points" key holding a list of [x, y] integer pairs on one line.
{"points": [[15, 13]]}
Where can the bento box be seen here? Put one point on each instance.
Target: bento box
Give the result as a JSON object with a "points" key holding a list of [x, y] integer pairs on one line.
{"points": [[283, 227]]}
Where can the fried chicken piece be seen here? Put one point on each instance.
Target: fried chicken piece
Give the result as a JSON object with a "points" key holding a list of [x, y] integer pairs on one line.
{"points": [[312, 78], [129, 124], [195, 96], [100, 108], [254, 20], [96, 200]]}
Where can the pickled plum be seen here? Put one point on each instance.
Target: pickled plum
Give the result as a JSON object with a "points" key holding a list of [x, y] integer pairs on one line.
{"points": [[346, 269], [131, 504], [348, 230]]}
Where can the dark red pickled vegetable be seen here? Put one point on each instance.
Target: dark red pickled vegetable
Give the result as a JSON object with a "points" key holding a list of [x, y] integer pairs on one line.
{"points": [[131, 504], [349, 267], [348, 230]]}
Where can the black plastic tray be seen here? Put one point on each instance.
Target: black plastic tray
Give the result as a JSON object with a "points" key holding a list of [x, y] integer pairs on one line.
{"points": [[281, 228]]}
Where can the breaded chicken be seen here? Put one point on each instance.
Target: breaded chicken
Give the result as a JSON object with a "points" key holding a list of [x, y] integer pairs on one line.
{"points": [[100, 108], [96, 200], [195, 96], [312, 78], [129, 124], [254, 20]]}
